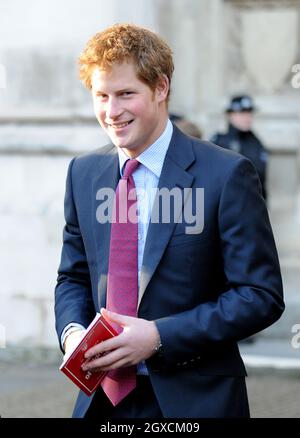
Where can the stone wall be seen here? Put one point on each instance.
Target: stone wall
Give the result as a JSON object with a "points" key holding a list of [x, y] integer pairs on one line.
{"points": [[46, 118], [220, 47]]}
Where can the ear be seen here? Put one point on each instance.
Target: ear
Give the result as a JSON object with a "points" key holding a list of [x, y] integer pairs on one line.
{"points": [[162, 88]]}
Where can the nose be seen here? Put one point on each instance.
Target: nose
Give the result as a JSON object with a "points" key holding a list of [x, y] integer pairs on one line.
{"points": [[113, 108]]}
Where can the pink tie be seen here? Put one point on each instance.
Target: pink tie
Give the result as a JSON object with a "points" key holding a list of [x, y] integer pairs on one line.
{"points": [[122, 286]]}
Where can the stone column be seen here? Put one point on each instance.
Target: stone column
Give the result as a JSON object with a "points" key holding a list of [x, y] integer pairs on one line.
{"points": [[195, 32], [262, 41]]}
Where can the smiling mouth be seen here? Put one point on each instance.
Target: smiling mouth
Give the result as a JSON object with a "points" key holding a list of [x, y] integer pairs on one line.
{"points": [[120, 125]]}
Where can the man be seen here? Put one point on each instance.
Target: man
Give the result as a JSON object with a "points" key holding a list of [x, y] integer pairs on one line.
{"points": [[241, 139], [200, 288]]}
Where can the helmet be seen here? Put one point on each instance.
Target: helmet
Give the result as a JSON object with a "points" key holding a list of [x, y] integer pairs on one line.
{"points": [[240, 103]]}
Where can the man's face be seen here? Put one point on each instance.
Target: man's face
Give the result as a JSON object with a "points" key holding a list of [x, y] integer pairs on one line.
{"points": [[131, 113], [241, 120]]}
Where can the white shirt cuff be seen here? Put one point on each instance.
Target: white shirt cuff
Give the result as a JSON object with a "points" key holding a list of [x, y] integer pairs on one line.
{"points": [[67, 329]]}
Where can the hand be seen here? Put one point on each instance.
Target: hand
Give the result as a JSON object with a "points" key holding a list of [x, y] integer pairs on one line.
{"points": [[72, 340], [136, 343]]}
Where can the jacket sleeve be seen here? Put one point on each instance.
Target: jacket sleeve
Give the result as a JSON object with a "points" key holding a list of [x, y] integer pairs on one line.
{"points": [[73, 295], [253, 299]]}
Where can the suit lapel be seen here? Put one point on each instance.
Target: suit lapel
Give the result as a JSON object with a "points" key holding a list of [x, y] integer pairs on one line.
{"points": [[107, 177], [179, 157]]}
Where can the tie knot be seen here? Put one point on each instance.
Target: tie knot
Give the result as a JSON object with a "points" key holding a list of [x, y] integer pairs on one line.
{"points": [[130, 167]]}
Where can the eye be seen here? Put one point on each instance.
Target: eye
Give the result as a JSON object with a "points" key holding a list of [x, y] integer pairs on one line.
{"points": [[101, 96]]}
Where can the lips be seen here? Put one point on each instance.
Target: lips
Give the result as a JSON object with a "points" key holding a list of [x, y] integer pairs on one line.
{"points": [[120, 125]]}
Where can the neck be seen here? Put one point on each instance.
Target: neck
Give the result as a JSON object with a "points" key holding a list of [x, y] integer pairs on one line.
{"points": [[133, 153]]}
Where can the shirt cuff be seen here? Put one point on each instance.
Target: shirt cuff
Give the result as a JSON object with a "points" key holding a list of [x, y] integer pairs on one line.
{"points": [[67, 331]]}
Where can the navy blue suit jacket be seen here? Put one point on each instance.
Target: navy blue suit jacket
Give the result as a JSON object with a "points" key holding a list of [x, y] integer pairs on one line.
{"points": [[205, 291]]}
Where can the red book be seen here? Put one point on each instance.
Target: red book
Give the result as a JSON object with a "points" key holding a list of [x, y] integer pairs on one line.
{"points": [[99, 330]]}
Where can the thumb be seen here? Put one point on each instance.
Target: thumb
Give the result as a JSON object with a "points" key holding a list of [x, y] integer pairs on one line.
{"points": [[122, 320]]}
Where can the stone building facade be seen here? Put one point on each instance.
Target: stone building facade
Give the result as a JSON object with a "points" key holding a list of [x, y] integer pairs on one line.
{"points": [[221, 47]]}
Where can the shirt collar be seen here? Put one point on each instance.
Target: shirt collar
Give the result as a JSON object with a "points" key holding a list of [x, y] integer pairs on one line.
{"points": [[152, 157]]}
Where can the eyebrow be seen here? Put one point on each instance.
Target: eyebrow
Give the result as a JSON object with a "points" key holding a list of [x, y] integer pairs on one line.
{"points": [[118, 91], [125, 89]]}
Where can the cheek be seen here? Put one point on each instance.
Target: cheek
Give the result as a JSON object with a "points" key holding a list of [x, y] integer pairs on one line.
{"points": [[136, 108], [96, 107], [142, 108], [99, 111]]}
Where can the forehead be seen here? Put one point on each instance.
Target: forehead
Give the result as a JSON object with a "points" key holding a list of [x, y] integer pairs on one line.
{"points": [[118, 75]]}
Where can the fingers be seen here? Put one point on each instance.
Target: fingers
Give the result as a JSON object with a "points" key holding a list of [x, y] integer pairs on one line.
{"points": [[136, 343], [117, 341], [122, 320], [112, 360], [103, 347]]}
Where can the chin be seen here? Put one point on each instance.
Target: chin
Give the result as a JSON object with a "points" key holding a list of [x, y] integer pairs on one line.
{"points": [[116, 141]]}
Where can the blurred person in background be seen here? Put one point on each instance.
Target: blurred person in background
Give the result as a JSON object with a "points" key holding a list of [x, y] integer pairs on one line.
{"points": [[188, 127], [185, 125], [240, 138]]}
